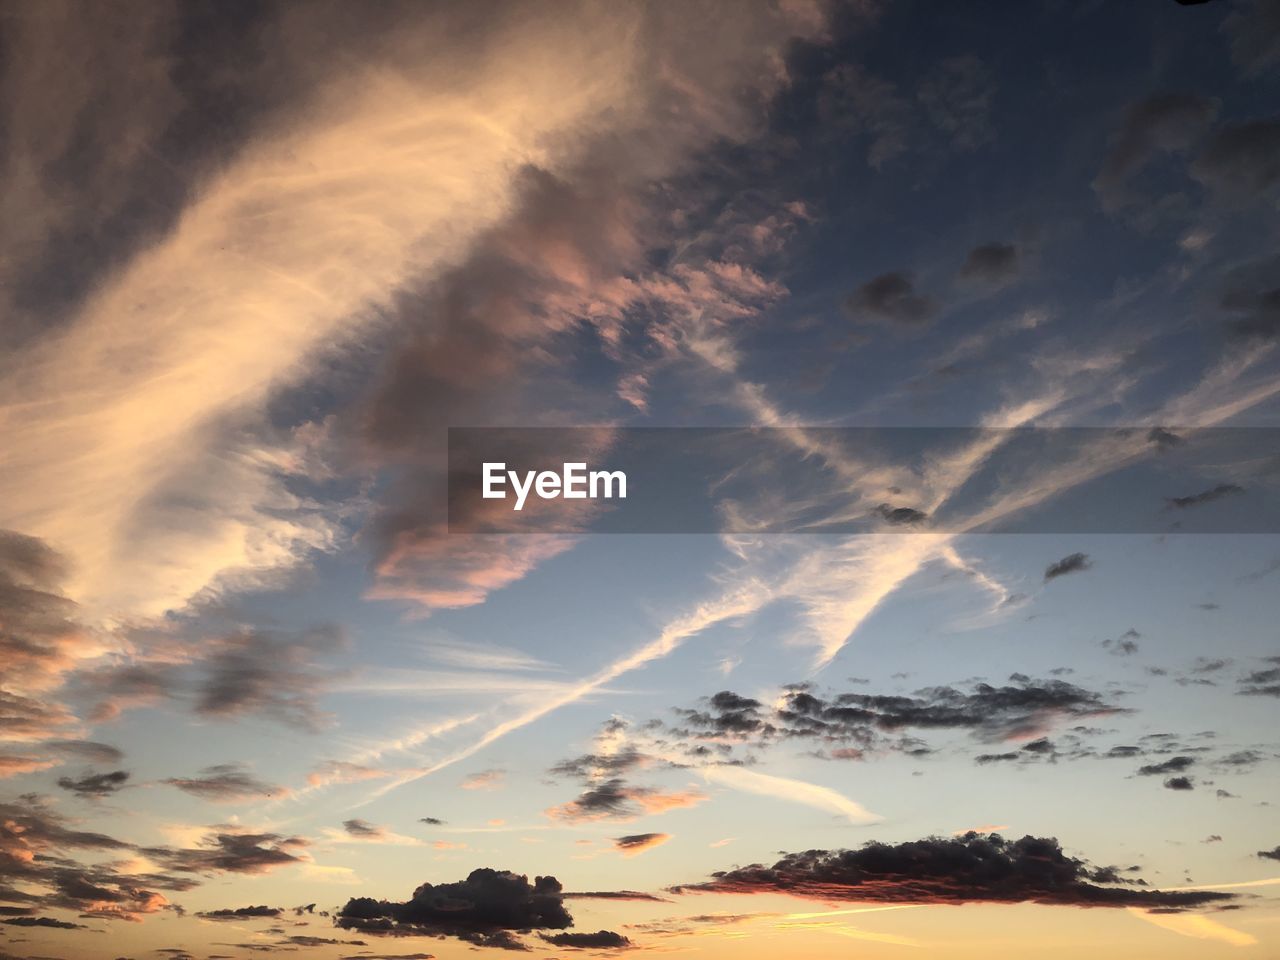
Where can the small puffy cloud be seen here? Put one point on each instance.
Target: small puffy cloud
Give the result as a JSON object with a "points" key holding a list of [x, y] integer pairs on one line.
{"points": [[637, 843], [1074, 563], [991, 264], [892, 297]]}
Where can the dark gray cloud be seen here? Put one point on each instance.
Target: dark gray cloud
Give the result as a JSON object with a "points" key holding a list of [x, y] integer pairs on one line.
{"points": [[900, 516], [600, 940], [1165, 122], [1241, 159], [1205, 496], [1018, 709], [485, 910], [993, 264], [1172, 765], [639, 841], [95, 784], [225, 783], [362, 829], [1270, 854], [892, 297], [1261, 683], [48, 922], [1179, 783], [1074, 563], [431, 821], [967, 869], [241, 913], [1254, 313], [596, 764], [276, 674], [226, 850]]}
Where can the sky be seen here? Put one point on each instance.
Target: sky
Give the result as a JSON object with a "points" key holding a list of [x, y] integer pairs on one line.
{"points": [[276, 680]]}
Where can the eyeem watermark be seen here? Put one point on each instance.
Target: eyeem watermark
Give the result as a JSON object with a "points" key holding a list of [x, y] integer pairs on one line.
{"points": [[573, 482]]}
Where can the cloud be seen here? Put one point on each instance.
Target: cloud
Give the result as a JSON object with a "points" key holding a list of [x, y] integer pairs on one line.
{"points": [[362, 829], [1162, 123], [15, 764], [94, 785], [1256, 313], [485, 780], [957, 96], [37, 850], [1074, 563], [1261, 683], [637, 843], [241, 913], [41, 640], [86, 750], [1240, 159], [792, 790], [892, 297], [226, 783], [275, 674], [48, 922], [941, 870], [343, 771], [1021, 709], [1179, 783], [1270, 854], [991, 264], [600, 940], [1254, 30], [485, 910], [1172, 765], [615, 799], [231, 849]]}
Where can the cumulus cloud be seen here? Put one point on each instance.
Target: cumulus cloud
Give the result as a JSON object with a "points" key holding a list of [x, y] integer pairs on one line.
{"points": [[1020, 709], [892, 297], [967, 869], [487, 909]]}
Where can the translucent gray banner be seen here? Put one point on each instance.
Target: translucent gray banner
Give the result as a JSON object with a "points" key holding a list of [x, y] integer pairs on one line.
{"points": [[508, 480]]}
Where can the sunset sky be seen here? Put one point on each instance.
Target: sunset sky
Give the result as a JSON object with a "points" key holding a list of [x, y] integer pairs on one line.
{"points": [[264, 690]]}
